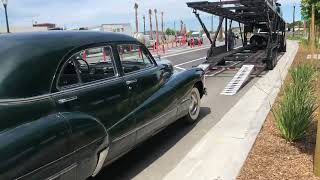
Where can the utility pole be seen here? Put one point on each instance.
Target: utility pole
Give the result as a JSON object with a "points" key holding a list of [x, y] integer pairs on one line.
{"points": [[136, 14], [304, 27], [150, 18], [162, 23], [294, 17], [212, 23], [144, 25], [5, 5], [220, 37], [174, 27], [157, 27], [312, 29]]}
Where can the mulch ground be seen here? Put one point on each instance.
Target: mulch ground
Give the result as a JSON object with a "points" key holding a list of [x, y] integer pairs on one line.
{"points": [[273, 158]]}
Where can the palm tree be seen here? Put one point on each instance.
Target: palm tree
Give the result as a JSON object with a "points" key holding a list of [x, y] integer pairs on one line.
{"points": [[157, 28], [150, 18], [136, 13], [144, 25]]}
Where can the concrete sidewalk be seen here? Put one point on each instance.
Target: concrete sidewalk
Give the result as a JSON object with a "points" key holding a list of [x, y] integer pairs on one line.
{"points": [[221, 153]]}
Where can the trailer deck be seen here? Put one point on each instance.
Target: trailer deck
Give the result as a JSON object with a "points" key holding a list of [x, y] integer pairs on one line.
{"points": [[243, 11], [262, 31]]}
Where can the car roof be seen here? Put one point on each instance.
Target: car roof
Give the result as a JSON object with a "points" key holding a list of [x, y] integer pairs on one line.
{"points": [[29, 61]]}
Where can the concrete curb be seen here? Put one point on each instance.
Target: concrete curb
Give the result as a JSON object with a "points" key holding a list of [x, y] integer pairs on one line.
{"points": [[221, 153]]}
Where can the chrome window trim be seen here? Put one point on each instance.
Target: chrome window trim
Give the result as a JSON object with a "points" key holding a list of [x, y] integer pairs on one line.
{"points": [[24, 100], [146, 54], [87, 86], [140, 71], [80, 83], [47, 96]]}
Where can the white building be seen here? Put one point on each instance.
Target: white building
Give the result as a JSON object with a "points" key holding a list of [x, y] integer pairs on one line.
{"points": [[17, 29], [121, 28]]}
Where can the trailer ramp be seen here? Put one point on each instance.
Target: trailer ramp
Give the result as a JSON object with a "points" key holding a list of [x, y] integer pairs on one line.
{"points": [[238, 80]]}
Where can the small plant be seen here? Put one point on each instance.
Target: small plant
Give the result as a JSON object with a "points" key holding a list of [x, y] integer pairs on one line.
{"points": [[295, 112], [303, 75]]}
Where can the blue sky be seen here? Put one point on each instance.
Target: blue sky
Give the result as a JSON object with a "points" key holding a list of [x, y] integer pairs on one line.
{"points": [[79, 13]]}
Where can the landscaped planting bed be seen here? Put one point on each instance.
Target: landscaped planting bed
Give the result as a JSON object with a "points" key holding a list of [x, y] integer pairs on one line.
{"points": [[274, 157]]}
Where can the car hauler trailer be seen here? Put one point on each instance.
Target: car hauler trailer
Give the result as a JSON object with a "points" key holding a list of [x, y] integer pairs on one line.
{"points": [[261, 19]]}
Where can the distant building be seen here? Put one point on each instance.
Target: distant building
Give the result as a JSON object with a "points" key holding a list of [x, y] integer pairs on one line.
{"points": [[47, 25], [122, 28], [19, 29]]}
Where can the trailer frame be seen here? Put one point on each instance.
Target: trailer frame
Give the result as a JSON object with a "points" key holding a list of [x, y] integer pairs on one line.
{"points": [[262, 51]]}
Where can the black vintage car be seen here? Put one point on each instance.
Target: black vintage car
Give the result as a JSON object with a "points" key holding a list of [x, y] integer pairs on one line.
{"points": [[73, 102]]}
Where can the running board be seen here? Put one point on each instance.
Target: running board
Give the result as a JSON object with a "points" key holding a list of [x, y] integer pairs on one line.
{"points": [[238, 80]]}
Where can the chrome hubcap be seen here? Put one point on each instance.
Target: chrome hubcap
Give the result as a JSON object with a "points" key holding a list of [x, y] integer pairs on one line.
{"points": [[194, 104]]}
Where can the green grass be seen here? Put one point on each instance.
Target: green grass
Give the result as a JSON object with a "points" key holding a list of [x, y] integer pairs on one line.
{"points": [[295, 112]]}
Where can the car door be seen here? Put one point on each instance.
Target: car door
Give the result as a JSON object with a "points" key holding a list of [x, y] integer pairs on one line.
{"points": [[89, 82], [144, 79]]}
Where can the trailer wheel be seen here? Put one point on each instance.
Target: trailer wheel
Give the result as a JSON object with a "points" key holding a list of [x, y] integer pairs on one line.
{"points": [[284, 48], [271, 63], [283, 44]]}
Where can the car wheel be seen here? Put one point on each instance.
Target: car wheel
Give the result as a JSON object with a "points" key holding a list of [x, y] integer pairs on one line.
{"points": [[194, 107]]}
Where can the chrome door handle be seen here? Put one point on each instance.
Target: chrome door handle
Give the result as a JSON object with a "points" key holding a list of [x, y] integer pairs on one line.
{"points": [[131, 82], [62, 101]]}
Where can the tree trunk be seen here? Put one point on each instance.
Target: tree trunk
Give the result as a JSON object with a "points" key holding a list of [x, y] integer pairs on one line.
{"points": [[312, 31], [150, 18], [157, 27]]}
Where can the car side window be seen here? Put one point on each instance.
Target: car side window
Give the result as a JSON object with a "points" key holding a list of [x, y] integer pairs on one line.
{"points": [[134, 58], [86, 66]]}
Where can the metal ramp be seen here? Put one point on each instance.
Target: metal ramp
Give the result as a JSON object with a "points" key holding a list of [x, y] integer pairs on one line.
{"points": [[238, 80]]}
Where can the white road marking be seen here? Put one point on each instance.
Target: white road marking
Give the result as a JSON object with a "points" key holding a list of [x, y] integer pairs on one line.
{"points": [[183, 69], [185, 52], [190, 61]]}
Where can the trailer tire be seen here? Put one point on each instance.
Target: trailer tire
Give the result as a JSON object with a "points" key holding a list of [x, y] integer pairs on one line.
{"points": [[284, 47], [271, 64], [283, 44]]}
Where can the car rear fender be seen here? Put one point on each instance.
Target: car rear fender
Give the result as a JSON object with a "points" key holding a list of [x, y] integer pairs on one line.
{"points": [[29, 148], [85, 129], [89, 140]]}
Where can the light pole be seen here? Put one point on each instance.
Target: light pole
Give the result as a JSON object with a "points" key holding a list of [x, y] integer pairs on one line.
{"points": [[294, 17], [157, 28], [144, 25], [5, 3], [136, 14]]}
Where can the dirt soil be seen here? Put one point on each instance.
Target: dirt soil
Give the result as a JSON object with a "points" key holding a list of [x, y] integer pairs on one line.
{"points": [[273, 158]]}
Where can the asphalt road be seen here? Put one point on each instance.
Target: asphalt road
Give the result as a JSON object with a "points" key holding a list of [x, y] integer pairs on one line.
{"points": [[155, 158]]}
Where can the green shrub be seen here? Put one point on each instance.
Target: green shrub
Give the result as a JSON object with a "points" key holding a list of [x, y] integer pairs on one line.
{"points": [[303, 75], [295, 112]]}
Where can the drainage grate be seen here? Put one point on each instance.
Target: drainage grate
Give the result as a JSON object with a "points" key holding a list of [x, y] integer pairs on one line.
{"points": [[238, 80]]}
